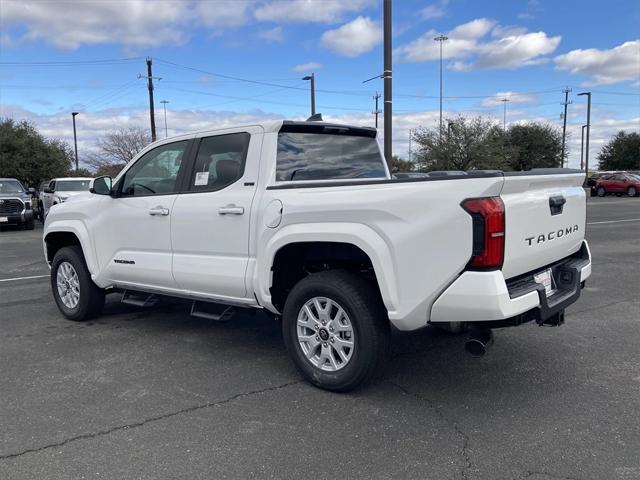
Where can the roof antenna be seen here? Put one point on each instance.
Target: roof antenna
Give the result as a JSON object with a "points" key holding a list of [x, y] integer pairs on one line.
{"points": [[316, 117]]}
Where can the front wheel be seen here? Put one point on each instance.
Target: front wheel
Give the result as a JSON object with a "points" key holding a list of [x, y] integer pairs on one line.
{"points": [[30, 225], [77, 297], [601, 192], [632, 192], [336, 330]]}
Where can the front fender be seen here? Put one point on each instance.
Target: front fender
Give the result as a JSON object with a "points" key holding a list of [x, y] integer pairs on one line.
{"points": [[356, 234], [79, 229]]}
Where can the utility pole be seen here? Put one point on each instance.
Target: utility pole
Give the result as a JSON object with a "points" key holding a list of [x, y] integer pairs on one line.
{"points": [[75, 138], [441, 39], [164, 106], [410, 134], [504, 114], [564, 124], [312, 79], [388, 88], [582, 149], [377, 111], [152, 115], [586, 153]]}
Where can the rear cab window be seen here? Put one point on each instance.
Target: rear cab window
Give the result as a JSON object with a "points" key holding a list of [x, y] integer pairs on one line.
{"points": [[328, 152]]}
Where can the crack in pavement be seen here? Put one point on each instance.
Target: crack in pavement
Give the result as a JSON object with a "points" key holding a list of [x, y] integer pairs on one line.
{"points": [[456, 428], [156, 418]]}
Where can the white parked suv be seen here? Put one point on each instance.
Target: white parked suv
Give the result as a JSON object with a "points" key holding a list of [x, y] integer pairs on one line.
{"points": [[303, 221], [60, 189]]}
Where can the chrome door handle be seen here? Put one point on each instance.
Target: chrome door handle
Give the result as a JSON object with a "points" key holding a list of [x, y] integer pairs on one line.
{"points": [[159, 210], [231, 210]]}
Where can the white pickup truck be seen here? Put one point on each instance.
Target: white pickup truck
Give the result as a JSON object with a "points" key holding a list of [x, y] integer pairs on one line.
{"points": [[303, 221]]}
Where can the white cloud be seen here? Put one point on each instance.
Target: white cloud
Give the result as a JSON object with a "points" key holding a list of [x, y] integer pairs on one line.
{"points": [[432, 11], [512, 97], [272, 35], [72, 23], [619, 64], [354, 38], [308, 11], [94, 125], [306, 67], [467, 46]]}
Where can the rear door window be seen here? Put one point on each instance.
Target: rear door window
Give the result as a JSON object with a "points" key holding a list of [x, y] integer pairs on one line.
{"points": [[220, 162], [328, 154]]}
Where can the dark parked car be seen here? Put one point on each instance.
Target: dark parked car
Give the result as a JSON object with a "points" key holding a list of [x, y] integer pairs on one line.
{"points": [[618, 183], [15, 203]]}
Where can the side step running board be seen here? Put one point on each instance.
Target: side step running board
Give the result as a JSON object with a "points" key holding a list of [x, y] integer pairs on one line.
{"points": [[212, 311], [139, 299]]}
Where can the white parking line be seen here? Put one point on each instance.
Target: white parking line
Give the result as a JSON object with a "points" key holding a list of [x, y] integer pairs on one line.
{"points": [[614, 202], [615, 221], [23, 278]]}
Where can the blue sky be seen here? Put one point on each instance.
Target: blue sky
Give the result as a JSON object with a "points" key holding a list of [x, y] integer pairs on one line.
{"points": [[525, 51]]}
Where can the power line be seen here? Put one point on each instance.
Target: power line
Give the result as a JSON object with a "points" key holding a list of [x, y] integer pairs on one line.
{"points": [[113, 61]]}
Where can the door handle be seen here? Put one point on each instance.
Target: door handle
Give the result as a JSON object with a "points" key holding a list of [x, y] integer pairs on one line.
{"points": [[159, 210], [231, 210]]}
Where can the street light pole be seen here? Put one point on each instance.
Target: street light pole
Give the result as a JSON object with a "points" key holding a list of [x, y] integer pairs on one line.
{"points": [[582, 149], [586, 154], [441, 39], [164, 106], [504, 114], [312, 79], [388, 84], [75, 137]]}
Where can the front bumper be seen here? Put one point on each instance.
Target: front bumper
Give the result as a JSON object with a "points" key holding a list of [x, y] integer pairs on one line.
{"points": [[17, 218], [488, 297]]}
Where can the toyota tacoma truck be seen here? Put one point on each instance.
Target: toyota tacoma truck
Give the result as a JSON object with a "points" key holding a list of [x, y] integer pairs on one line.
{"points": [[303, 221]]}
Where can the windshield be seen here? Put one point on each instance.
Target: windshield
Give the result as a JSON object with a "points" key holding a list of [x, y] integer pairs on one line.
{"points": [[11, 186], [635, 177], [72, 185]]}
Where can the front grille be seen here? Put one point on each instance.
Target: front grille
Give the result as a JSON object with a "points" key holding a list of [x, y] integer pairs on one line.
{"points": [[10, 206]]}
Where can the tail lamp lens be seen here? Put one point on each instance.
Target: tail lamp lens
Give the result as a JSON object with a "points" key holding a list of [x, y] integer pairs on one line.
{"points": [[488, 232]]}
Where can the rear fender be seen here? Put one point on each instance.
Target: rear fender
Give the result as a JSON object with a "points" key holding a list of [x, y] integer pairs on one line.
{"points": [[358, 235]]}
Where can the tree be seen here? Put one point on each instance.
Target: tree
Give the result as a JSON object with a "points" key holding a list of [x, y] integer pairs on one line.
{"points": [[117, 149], [26, 155], [400, 165], [534, 145], [468, 143], [621, 153]]}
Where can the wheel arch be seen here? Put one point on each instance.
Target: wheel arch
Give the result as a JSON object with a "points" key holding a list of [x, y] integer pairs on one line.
{"points": [[343, 245], [68, 234]]}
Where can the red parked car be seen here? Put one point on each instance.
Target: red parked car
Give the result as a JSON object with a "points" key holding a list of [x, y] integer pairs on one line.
{"points": [[618, 183]]}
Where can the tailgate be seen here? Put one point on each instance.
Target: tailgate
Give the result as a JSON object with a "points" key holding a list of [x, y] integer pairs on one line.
{"points": [[545, 217]]}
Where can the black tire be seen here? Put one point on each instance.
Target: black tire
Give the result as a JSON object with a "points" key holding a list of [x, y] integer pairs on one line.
{"points": [[362, 303], [632, 191], [91, 299], [30, 224], [601, 192]]}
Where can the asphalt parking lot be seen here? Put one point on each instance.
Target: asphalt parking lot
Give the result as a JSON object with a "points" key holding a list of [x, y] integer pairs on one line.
{"points": [[154, 393]]}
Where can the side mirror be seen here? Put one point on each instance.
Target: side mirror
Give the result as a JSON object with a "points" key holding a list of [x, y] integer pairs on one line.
{"points": [[101, 185], [47, 190]]}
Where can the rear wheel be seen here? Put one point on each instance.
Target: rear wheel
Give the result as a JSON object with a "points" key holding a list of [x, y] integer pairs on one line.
{"points": [[77, 297], [336, 330], [601, 192], [631, 191]]}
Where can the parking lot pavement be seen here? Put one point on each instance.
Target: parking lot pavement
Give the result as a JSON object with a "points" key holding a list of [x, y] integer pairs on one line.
{"points": [[155, 394]]}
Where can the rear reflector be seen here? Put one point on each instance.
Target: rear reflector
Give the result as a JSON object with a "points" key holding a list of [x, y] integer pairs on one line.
{"points": [[488, 232]]}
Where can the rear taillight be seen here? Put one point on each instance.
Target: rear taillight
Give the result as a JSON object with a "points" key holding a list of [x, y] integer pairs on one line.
{"points": [[488, 232]]}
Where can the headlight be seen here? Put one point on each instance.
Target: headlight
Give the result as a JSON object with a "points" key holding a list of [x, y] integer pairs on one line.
{"points": [[62, 199]]}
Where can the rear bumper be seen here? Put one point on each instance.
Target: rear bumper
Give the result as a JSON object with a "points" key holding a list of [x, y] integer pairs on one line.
{"points": [[487, 296], [17, 218]]}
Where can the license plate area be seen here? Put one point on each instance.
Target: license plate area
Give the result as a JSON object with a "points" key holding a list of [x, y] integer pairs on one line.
{"points": [[545, 278]]}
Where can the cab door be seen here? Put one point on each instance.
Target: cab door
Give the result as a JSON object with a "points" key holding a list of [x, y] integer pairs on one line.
{"points": [[133, 229], [211, 218]]}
